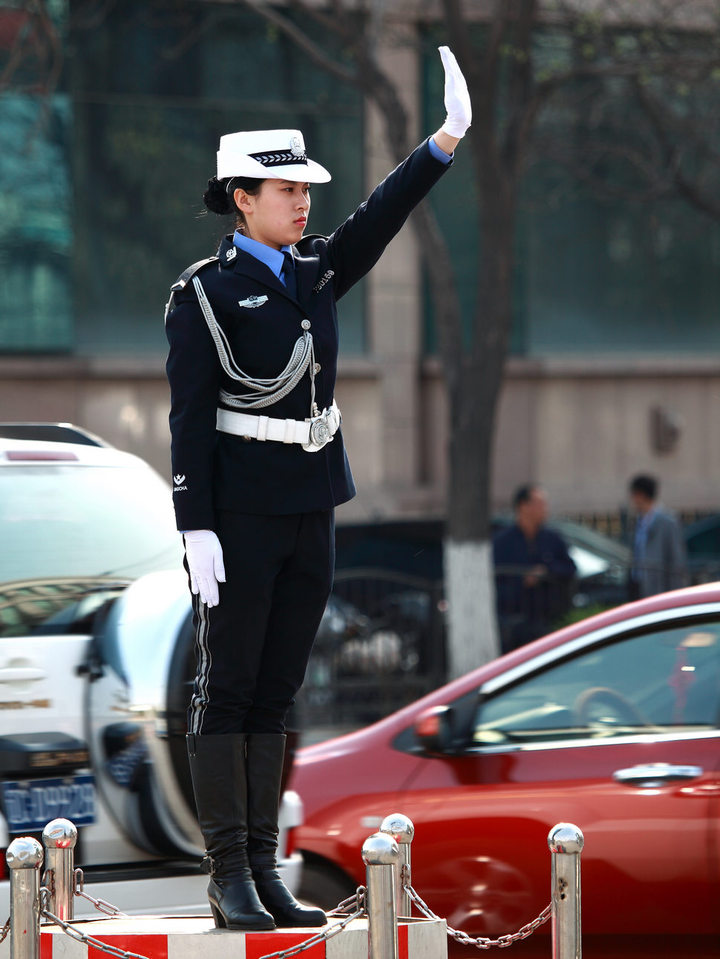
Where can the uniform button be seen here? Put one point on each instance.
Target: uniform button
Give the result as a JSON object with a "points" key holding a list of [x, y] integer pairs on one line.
{"points": [[317, 367], [306, 324]]}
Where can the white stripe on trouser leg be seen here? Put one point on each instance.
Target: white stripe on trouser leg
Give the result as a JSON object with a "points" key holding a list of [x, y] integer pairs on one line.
{"points": [[204, 663]]}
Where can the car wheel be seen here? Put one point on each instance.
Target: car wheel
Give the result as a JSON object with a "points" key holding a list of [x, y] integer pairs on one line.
{"points": [[324, 885]]}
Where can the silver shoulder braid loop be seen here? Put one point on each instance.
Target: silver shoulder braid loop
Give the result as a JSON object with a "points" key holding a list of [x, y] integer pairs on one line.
{"points": [[262, 392]]}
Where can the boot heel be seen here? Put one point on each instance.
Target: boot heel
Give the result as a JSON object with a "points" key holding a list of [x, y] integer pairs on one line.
{"points": [[217, 916]]}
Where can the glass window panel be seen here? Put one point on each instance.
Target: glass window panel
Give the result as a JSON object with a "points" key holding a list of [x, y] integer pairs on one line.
{"points": [[595, 268], [151, 100], [659, 680], [35, 224]]}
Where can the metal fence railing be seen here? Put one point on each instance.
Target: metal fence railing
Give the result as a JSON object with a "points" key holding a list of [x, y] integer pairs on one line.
{"points": [[380, 646], [382, 640]]}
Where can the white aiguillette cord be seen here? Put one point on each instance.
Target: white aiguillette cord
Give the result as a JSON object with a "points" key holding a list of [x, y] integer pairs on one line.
{"points": [[263, 392]]}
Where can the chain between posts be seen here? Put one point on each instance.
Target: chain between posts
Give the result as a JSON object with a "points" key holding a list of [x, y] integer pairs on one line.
{"points": [[78, 936], [5, 930], [100, 904], [358, 898], [502, 942]]}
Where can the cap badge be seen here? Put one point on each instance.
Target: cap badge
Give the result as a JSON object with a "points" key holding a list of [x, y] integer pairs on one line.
{"points": [[296, 147]]}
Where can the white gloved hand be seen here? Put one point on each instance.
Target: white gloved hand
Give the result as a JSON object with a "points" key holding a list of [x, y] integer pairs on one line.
{"points": [[457, 98], [205, 561]]}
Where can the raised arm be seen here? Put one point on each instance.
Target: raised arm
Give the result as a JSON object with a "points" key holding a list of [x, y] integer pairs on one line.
{"points": [[358, 243]]}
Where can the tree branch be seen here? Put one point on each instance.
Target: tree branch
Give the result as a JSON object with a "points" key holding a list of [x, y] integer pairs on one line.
{"points": [[520, 86], [313, 50], [333, 23], [689, 189], [673, 65], [91, 15]]}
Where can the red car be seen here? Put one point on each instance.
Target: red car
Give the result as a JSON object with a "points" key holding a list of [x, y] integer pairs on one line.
{"points": [[611, 724]]}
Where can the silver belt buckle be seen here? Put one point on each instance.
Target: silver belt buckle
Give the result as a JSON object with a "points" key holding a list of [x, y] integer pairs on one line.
{"points": [[320, 432]]}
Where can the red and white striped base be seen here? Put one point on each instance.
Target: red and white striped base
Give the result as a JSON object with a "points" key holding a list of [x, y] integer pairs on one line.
{"points": [[190, 938]]}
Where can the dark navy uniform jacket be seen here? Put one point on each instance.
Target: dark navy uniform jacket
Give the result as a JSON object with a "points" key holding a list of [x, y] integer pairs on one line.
{"points": [[213, 470]]}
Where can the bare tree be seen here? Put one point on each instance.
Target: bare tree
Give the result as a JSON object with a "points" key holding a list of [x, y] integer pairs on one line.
{"points": [[649, 49], [473, 376]]}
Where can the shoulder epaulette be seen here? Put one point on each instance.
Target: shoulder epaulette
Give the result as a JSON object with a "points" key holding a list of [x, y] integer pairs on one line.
{"points": [[188, 274], [307, 241]]}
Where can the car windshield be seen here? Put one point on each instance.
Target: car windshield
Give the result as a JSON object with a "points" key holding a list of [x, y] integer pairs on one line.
{"points": [[84, 521], [73, 536]]}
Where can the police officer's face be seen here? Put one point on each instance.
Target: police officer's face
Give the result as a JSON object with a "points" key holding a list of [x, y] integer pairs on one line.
{"points": [[278, 213]]}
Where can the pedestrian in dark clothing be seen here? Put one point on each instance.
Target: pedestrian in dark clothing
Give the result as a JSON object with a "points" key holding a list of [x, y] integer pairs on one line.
{"points": [[533, 572]]}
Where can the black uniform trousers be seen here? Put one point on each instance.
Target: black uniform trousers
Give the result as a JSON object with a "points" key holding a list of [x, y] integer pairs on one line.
{"points": [[253, 648]]}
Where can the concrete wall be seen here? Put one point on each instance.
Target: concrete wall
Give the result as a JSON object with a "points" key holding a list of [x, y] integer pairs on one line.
{"points": [[583, 427], [580, 427]]}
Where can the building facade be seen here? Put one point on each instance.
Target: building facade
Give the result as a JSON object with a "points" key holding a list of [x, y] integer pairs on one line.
{"points": [[615, 364]]}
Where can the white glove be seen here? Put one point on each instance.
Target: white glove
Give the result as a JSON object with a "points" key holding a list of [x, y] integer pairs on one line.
{"points": [[205, 561], [457, 98]]}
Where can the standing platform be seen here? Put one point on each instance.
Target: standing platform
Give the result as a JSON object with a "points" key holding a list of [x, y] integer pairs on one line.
{"points": [[194, 938]]}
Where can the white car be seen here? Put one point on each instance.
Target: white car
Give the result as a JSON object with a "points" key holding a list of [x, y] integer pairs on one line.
{"points": [[96, 662]]}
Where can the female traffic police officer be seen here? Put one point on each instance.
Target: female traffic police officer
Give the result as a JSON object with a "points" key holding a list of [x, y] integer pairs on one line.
{"points": [[258, 466]]}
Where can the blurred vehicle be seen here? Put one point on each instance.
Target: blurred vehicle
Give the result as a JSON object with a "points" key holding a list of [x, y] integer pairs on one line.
{"points": [[603, 565], [389, 615], [414, 548], [702, 542], [611, 724], [96, 659], [52, 432]]}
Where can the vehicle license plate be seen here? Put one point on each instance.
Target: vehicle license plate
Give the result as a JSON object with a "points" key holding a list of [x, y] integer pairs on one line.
{"points": [[31, 804]]}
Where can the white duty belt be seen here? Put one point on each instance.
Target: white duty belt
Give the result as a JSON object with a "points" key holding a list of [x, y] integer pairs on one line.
{"points": [[312, 434]]}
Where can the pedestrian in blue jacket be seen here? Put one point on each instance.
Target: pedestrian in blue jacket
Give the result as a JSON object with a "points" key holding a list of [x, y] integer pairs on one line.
{"points": [[258, 466]]}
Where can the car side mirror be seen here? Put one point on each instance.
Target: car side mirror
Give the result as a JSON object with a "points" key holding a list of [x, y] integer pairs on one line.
{"points": [[434, 730]]}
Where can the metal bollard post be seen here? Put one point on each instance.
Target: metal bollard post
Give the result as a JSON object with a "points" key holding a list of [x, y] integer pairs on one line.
{"points": [[24, 858], [402, 830], [566, 842], [380, 854], [59, 838]]}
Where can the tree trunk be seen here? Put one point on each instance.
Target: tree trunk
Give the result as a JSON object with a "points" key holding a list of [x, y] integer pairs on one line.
{"points": [[473, 637], [470, 593], [469, 575]]}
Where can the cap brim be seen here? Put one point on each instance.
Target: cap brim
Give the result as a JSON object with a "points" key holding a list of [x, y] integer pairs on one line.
{"points": [[243, 165]]}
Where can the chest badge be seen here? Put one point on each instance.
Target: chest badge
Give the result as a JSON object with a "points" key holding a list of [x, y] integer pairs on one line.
{"points": [[324, 280], [252, 302]]}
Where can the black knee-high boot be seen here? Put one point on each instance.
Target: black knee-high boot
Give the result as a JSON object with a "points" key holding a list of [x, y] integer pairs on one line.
{"points": [[265, 752], [217, 765]]}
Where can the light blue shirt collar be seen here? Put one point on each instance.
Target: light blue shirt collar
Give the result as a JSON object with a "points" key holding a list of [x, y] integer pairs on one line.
{"points": [[266, 254]]}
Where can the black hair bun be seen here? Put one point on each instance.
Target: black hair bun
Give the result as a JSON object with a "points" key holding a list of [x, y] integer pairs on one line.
{"points": [[216, 198]]}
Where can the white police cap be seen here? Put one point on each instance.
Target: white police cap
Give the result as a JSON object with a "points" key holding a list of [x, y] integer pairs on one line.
{"points": [[268, 153]]}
